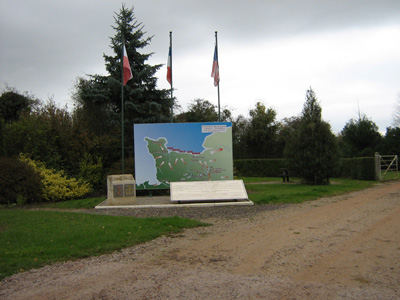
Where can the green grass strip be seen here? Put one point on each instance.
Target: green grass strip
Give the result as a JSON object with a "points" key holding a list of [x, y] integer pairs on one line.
{"points": [[31, 239], [297, 193], [260, 179], [75, 204]]}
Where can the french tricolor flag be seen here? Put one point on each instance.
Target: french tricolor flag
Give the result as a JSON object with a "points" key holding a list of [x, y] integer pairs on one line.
{"points": [[169, 69], [215, 68]]}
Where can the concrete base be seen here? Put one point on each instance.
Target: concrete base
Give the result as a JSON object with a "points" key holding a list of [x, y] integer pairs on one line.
{"points": [[165, 202]]}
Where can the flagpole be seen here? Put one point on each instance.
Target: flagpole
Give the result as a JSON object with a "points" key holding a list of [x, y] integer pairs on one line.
{"points": [[216, 49], [172, 96], [122, 109]]}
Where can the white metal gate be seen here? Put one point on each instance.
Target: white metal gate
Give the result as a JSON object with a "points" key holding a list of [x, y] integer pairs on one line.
{"points": [[386, 166]]}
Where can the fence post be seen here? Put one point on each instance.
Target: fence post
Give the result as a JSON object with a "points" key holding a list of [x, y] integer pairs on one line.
{"points": [[377, 166]]}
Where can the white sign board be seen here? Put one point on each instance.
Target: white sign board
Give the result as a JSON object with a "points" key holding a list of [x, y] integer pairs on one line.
{"points": [[195, 191]]}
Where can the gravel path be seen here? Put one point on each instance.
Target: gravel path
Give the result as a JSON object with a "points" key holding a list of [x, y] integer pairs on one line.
{"points": [[197, 213]]}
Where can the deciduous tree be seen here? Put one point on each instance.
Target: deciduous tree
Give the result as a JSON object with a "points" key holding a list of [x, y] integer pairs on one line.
{"points": [[14, 103], [360, 137], [261, 135], [391, 142]]}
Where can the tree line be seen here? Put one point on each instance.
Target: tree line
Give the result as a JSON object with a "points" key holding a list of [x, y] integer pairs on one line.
{"points": [[86, 142]]}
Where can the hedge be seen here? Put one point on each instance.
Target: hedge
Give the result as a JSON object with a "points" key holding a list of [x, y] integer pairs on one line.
{"points": [[362, 168], [259, 167]]}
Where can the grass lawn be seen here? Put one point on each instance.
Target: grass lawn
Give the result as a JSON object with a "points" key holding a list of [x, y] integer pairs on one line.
{"points": [[31, 239], [260, 179], [75, 204], [297, 193]]}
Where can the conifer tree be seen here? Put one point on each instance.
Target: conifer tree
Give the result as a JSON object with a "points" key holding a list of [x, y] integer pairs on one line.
{"points": [[98, 97], [311, 150], [144, 103]]}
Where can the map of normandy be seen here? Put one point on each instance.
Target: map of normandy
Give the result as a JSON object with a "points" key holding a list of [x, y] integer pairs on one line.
{"points": [[173, 163]]}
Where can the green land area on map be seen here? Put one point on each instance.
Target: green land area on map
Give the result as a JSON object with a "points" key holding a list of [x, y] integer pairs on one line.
{"points": [[214, 163]]}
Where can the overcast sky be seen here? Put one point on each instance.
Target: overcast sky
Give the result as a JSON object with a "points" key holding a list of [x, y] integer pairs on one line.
{"points": [[271, 51]]}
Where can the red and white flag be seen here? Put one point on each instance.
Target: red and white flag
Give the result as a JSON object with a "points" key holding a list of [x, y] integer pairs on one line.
{"points": [[215, 68], [169, 68], [127, 68]]}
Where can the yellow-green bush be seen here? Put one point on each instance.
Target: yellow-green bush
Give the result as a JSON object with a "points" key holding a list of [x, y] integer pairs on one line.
{"points": [[57, 186]]}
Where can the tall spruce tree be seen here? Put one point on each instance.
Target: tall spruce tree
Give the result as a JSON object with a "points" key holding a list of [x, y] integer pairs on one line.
{"points": [[144, 103], [311, 150], [99, 97]]}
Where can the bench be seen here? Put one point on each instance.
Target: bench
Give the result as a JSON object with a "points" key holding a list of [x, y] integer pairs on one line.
{"points": [[284, 174]]}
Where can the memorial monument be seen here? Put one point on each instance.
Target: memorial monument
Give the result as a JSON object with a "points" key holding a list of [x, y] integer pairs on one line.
{"points": [[121, 189]]}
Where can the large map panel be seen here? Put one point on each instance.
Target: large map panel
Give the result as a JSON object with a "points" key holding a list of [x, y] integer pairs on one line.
{"points": [[171, 152]]}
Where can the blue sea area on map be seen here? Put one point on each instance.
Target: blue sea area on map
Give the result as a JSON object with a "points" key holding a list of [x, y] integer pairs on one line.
{"points": [[182, 136]]}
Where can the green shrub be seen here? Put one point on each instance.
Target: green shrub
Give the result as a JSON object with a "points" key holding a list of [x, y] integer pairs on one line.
{"points": [[129, 167], [92, 172], [57, 187], [19, 182]]}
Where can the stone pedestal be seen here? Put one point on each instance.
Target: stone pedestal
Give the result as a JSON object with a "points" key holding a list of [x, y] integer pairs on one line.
{"points": [[121, 189]]}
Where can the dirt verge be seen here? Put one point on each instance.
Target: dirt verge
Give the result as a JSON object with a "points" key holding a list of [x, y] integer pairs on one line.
{"points": [[333, 248]]}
